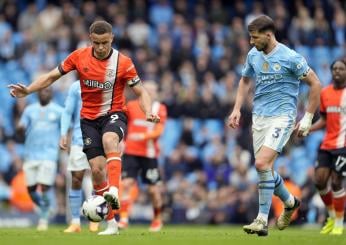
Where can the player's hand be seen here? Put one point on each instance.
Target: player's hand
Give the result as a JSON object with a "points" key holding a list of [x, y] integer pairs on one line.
{"points": [[18, 90], [303, 127], [152, 118], [233, 119], [63, 142], [136, 136]]}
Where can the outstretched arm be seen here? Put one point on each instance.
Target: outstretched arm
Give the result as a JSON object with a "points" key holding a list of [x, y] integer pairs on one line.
{"points": [[20, 90]]}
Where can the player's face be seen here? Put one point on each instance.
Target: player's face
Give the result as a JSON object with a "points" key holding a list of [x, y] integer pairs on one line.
{"points": [[45, 95], [260, 40], [339, 73], [102, 44]]}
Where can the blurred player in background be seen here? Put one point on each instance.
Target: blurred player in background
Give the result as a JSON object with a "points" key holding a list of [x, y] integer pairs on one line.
{"points": [[277, 71], [103, 72], [140, 156], [78, 163], [331, 162], [41, 123]]}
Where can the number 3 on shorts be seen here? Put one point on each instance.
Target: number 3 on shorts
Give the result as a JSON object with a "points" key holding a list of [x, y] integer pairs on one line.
{"points": [[114, 117], [276, 134]]}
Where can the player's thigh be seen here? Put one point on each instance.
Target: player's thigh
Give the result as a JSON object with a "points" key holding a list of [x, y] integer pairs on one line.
{"points": [[30, 169], [259, 130], [323, 168], [279, 132], [77, 160], [150, 172], [130, 166], [92, 138], [116, 123], [47, 173]]}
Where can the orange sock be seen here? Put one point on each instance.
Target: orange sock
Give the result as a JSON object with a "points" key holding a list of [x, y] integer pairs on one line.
{"points": [[327, 199], [99, 190], [114, 168]]}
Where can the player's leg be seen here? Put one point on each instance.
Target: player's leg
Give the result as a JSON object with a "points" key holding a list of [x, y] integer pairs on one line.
{"points": [[130, 170], [113, 131], [151, 176], [45, 179], [87, 187], [93, 149], [322, 175], [263, 163], [339, 197], [75, 201]]}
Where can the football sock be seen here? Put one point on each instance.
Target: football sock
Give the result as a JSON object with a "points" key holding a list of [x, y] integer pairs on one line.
{"points": [[114, 168], [339, 204], [282, 192], [75, 198], [327, 198], [44, 206], [87, 185], [35, 197], [157, 212], [266, 187]]}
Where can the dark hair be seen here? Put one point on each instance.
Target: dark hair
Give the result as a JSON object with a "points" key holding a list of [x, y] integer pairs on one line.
{"points": [[100, 27], [261, 24], [342, 60]]}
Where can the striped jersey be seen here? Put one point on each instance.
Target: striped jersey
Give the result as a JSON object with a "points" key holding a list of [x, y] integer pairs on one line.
{"points": [[138, 124], [102, 81], [333, 106]]}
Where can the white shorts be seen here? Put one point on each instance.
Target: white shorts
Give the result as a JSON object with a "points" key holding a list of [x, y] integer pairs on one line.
{"points": [[272, 132], [40, 172], [77, 160]]}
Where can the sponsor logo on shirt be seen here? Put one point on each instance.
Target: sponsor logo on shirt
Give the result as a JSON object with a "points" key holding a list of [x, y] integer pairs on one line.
{"points": [[336, 109], [96, 84]]}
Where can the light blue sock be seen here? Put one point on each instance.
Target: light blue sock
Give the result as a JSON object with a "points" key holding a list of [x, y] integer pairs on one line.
{"points": [[35, 197], [266, 187], [75, 198], [44, 206], [282, 192]]}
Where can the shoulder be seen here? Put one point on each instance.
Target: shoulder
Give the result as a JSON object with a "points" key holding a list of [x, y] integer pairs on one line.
{"points": [[81, 52], [288, 52], [253, 52], [327, 90], [124, 59]]}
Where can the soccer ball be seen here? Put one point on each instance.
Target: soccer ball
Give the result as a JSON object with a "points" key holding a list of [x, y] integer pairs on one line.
{"points": [[95, 208]]}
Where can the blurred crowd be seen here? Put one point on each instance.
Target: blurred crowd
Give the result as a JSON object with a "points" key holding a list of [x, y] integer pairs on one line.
{"points": [[194, 50]]}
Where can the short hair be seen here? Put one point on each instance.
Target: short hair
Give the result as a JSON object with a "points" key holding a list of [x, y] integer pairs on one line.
{"points": [[100, 27], [342, 60], [261, 24]]}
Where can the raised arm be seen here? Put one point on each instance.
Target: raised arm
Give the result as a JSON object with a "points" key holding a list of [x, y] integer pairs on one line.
{"points": [[20, 90]]}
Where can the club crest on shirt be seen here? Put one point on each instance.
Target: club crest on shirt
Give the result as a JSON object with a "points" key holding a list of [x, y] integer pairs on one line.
{"points": [[265, 66], [110, 73], [277, 67]]}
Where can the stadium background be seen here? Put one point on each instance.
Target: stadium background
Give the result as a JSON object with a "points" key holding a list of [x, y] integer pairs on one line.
{"points": [[194, 50]]}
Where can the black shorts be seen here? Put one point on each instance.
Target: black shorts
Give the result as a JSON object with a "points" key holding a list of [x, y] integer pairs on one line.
{"points": [[147, 167], [93, 130], [335, 160]]}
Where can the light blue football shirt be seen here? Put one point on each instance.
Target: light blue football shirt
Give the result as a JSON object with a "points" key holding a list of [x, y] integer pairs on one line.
{"points": [[42, 131], [73, 104], [277, 77]]}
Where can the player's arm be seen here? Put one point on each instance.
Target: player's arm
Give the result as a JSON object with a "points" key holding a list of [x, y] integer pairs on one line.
{"points": [[20, 90], [243, 89], [314, 100], [23, 123], [319, 124], [66, 118]]}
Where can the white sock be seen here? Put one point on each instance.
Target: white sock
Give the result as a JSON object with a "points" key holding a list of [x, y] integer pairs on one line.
{"points": [[289, 203], [263, 216], [75, 221], [112, 224]]}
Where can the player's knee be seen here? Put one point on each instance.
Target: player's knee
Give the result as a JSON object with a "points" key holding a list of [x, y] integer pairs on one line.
{"points": [[261, 165], [320, 183], [76, 182], [110, 141], [336, 185]]}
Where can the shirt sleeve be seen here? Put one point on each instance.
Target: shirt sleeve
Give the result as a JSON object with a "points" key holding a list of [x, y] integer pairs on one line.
{"points": [[67, 113], [247, 70], [69, 64], [130, 76], [299, 66]]}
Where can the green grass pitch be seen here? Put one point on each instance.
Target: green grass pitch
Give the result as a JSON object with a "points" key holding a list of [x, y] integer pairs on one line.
{"points": [[170, 235]]}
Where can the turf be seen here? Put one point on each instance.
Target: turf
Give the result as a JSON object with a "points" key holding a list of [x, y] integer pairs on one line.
{"points": [[171, 235]]}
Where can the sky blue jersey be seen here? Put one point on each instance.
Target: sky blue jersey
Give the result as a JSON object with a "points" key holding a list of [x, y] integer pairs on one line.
{"points": [[42, 131], [277, 77], [73, 104]]}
